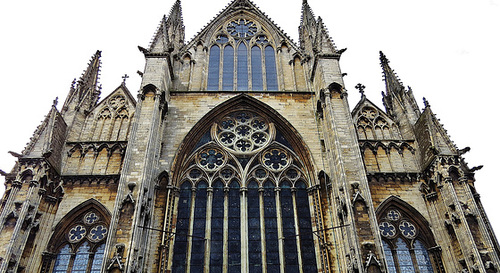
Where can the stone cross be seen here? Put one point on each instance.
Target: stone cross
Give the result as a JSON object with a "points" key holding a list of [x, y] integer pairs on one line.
{"points": [[361, 89], [125, 77]]}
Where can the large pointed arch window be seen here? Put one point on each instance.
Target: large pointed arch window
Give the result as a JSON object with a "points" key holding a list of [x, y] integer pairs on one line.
{"points": [[79, 242], [406, 243], [243, 204], [244, 56]]}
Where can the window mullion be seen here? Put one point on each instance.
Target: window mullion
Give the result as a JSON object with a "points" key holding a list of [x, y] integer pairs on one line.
{"points": [[281, 239], [296, 220]]}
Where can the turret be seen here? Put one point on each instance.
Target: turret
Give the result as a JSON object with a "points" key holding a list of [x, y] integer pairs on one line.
{"points": [[170, 35]]}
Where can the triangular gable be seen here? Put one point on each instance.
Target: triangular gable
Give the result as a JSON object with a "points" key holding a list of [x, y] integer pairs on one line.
{"points": [[121, 89], [364, 102], [240, 8]]}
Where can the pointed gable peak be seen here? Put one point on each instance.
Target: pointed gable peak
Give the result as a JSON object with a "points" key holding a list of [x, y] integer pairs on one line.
{"points": [[233, 14]]}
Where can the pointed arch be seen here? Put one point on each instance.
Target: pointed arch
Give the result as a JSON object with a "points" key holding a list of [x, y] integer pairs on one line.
{"points": [[243, 102]]}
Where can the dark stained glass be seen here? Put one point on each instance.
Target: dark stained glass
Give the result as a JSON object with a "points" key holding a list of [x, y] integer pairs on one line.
{"points": [[391, 267], [213, 68], [199, 223], [234, 237], [257, 82], [271, 75], [182, 228], [254, 243], [228, 69], [404, 257], [271, 228], [305, 229], [242, 73], [81, 261], [217, 236], [422, 257], [98, 258], [288, 223], [62, 260]]}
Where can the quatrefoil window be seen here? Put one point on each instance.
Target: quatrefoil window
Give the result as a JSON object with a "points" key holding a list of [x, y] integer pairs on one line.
{"points": [[242, 28], [407, 229], [90, 218]]}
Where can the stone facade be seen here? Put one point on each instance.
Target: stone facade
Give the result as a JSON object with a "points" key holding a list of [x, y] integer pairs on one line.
{"points": [[241, 154]]}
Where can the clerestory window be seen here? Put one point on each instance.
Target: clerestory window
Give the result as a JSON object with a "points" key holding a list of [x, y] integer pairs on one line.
{"points": [[242, 58], [243, 202]]}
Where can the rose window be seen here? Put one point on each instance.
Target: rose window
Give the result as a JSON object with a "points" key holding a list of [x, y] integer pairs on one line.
{"points": [[243, 132], [242, 28]]}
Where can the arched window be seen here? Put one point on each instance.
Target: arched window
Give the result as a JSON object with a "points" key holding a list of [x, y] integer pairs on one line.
{"points": [[213, 68], [403, 242], [250, 209], [79, 240], [253, 55]]}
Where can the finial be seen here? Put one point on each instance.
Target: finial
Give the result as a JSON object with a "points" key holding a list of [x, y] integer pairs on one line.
{"points": [[124, 77], [426, 103], [383, 58], [361, 89], [55, 101]]}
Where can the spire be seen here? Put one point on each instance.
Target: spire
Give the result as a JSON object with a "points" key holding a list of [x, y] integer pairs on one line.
{"points": [[308, 27], [307, 18], [399, 102], [170, 34], [86, 93], [392, 82]]}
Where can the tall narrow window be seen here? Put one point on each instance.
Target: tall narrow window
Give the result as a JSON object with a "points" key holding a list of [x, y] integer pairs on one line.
{"points": [[422, 257], [288, 223], [305, 226], [391, 267], [217, 237], [228, 69], [98, 259], [234, 239], [271, 228], [62, 260], [198, 237], [254, 243], [213, 68], [404, 256], [257, 82], [182, 228], [81, 259], [271, 76], [242, 67]]}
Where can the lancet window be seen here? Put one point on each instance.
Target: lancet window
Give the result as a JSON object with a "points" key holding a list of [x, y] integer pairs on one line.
{"points": [[243, 203], [404, 244], [242, 58]]}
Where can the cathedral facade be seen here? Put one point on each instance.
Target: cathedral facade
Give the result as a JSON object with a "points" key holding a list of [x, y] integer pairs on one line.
{"points": [[240, 153]]}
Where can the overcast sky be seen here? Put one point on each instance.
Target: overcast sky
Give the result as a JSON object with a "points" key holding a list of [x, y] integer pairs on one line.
{"points": [[448, 51]]}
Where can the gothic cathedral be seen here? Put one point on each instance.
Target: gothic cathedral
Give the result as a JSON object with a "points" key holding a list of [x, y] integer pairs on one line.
{"points": [[239, 153]]}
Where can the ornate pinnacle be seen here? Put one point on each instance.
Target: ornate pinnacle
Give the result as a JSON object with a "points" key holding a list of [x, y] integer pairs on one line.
{"points": [[383, 58]]}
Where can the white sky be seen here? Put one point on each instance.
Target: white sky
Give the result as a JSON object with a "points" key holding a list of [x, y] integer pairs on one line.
{"points": [[448, 51]]}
